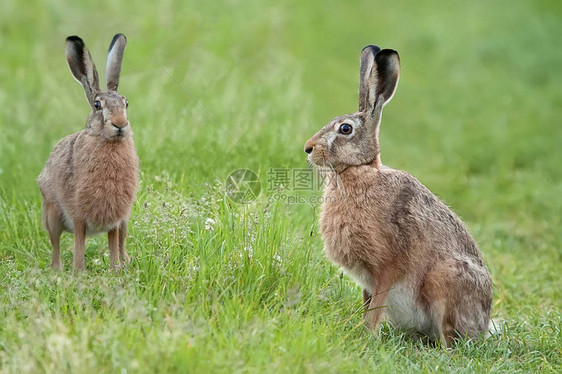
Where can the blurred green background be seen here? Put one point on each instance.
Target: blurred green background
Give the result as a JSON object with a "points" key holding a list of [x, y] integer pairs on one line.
{"points": [[217, 86]]}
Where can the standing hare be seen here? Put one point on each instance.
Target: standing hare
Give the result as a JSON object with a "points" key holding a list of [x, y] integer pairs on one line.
{"points": [[90, 180], [406, 248]]}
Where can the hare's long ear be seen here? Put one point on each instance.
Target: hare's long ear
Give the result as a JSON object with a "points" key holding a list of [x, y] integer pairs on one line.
{"points": [[82, 67], [378, 77], [114, 59]]}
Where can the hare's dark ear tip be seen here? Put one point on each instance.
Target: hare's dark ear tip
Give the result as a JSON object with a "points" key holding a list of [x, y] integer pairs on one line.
{"points": [[386, 53], [389, 51], [116, 38], [75, 40], [372, 48]]}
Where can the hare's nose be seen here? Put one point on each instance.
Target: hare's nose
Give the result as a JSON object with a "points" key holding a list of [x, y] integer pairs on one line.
{"points": [[309, 146], [119, 124]]}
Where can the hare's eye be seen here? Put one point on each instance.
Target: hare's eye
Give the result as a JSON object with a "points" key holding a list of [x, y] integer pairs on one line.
{"points": [[97, 104], [126, 103], [346, 129]]}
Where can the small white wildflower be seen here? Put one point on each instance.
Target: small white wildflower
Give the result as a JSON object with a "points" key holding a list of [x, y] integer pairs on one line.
{"points": [[249, 251], [278, 259], [209, 224]]}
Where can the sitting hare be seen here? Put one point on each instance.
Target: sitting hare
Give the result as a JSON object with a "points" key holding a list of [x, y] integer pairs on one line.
{"points": [[90, 180], [411, 254]]}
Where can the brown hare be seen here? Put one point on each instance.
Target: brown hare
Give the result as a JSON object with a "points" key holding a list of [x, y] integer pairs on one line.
{"points": [[90, 180], [411, 254]]}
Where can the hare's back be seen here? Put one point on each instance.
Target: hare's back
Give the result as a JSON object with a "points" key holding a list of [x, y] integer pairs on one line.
{"points": [[416, 211]]}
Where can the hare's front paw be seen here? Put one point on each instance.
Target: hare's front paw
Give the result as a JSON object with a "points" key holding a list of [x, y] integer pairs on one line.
{"points": [[56, 265], [125, 259]]}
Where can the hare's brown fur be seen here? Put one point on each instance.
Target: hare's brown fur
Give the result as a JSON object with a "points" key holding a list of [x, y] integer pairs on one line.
{"points": [[404, 246], [90, 179]]}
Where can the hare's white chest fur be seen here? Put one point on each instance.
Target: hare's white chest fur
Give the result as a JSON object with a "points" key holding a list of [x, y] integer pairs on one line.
{"points": [[404, 312]]}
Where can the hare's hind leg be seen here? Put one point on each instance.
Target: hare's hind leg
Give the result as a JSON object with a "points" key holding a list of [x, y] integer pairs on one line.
{"points": [[459, 296], [122, 236], [435, 293], [443, 323], [54, 225], [456, 319]]}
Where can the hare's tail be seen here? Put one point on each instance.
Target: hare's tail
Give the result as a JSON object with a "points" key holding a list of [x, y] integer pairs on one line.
{"points": [[495, 327]]}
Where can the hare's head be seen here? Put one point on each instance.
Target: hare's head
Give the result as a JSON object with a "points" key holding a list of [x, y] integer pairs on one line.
{"points": [[108, 118], [353, 139]]}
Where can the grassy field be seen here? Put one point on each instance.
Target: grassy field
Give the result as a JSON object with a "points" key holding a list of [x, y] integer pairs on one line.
{"points": [[216, 86]]}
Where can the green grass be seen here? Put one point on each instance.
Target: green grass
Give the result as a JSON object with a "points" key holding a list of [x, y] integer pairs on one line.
{"points": [[476, 118]]}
